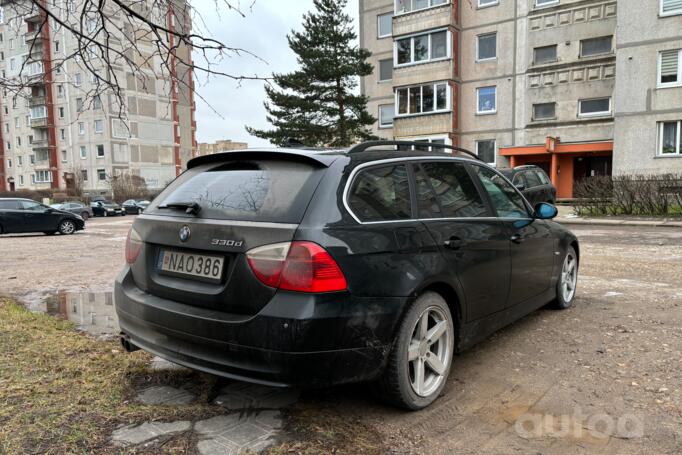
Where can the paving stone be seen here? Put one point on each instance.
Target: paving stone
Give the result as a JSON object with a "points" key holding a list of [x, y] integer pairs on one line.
{"points": [[240, 396], [165, 395], [236, 433], [137, 434]]}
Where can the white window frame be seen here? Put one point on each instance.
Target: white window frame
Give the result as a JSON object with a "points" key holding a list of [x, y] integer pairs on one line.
{"points": [[97, 151], [595, 114], [487, 5], [99, 175], [660, 84], [494, 151], [379, 79], [81, 128], [412, 62], [545, 3], [478, 38], [430, 139], [478, 95], [101, 129], [386, 125], [64, 156], [448, 97], [659, 148], [379, 16], [674, 12], [83, 152], [42, 174], [431, 5]]}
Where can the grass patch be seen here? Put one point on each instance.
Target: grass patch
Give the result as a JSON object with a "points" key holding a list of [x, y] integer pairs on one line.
{"points": [[61, 391]]}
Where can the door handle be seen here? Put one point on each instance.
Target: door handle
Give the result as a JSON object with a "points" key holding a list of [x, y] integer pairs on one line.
{"points": [[517, 238], [454, 243]]}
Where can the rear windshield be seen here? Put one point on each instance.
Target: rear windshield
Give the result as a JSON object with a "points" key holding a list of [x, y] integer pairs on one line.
{"points": [[261, 190]]}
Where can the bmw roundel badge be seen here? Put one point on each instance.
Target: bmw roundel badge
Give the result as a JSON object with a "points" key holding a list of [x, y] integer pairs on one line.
{"points": [[185, 233]]}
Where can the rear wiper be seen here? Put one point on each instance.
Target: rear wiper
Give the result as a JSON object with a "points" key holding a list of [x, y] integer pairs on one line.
{"points": [[191, 208]]}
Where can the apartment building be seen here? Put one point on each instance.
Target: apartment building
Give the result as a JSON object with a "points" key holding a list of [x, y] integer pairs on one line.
{"points": [[225, 145], [55, 132], [527, 81]]}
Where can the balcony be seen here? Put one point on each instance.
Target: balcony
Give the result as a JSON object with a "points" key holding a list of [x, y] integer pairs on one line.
{"points": [[422, 125], [39, 143], [36, 101], [39, 122], [33, 36], [426, 19], [439, 70]]}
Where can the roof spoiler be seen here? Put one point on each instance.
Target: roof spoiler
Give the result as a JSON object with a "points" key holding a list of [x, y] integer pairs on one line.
{"points": [[299, 155], [367, 145]]}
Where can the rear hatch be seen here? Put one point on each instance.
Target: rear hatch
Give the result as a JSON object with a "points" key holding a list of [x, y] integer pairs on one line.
{"points": [[196, 232]]}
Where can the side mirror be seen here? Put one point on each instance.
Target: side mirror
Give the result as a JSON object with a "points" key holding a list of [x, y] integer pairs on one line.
{"points": [[520, 186], [545, 211]]}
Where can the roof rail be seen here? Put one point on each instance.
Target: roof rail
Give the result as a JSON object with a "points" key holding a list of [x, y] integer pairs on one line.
{"points": [[366, 145]]}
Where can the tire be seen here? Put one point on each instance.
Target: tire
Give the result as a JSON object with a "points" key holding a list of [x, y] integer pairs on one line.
{"points": [[67, 227], [85, 216], [568, 280], [399, 383]]}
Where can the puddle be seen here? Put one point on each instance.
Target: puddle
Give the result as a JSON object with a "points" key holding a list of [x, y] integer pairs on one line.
{"points": [[92, 312]]}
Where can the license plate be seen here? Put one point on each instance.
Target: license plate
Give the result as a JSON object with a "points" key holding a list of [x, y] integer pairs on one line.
{"points": [[193, 266]]}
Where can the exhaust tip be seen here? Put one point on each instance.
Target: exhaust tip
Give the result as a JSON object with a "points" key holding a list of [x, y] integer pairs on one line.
{"points": [[127, 345]]}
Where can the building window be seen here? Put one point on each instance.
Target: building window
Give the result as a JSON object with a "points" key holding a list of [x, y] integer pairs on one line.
{"points": [[423, 99], [21, 180], [38, 112], [545, 54], [670, 68], [543, 3], [63, 156], [384, 25], [407, 6], [101, 174], [486, 150], [596, 46], [99, 126], [669, 141], [386, 114], [61, 112], [81, 128], [100, 151], [671, 7], [62, 134], [9, 163], [484, 3], [43, 176], [20, 161], [544, 111], [77, 79], [84, 175], [97, 102], [56, 46], [427, 140], [487, 100], [32, 159], [597, 107], [385, 70], [422, 48], [18, 141], [60, 90], [84, 152], [79, 104], [486, 47]]}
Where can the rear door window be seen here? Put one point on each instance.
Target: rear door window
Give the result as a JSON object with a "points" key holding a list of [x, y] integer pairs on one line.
{"points": [[445, 190], [532, 179], [246, 190], [381, 194], [543, 177], [9, 205]]}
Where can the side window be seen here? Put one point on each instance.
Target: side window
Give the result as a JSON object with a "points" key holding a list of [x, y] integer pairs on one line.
{"points": [[445, 190], [31, 206], [506, 200], [532, 179], [519, 180], [543, 177], [9, 205], [381, 194]]}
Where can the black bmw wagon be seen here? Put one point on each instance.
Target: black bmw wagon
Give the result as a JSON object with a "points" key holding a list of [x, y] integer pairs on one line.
{"points": [[310, 268]]}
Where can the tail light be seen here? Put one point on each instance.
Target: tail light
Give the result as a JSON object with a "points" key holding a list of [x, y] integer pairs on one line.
{"points": [[133, 246], [296, 266]]}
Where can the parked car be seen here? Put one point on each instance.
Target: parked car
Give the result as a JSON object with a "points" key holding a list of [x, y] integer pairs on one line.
{"points": [[533, 183], [106, 208], [300, 268], [75, 207], [135, 206], [24, 215]]}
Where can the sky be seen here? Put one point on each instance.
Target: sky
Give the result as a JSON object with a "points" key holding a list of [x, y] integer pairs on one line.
{"points": [[230, 105]]}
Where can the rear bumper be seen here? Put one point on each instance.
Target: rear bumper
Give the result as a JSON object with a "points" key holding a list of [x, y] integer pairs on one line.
{"points": [[295, 340]]}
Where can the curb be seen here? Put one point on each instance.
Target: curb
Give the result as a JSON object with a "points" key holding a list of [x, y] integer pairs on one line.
{"points": [[639, 223]]}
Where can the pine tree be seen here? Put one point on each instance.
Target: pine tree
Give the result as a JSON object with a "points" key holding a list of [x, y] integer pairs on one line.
{"points": [[318, 104]]}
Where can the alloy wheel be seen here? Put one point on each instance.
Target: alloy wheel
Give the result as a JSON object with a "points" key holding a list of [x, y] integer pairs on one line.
{"points": [[429, 352], [67, 227], [569, 277]]}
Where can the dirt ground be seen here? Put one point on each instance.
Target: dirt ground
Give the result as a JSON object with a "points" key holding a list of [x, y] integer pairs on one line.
{"points": [[602, 377]]}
